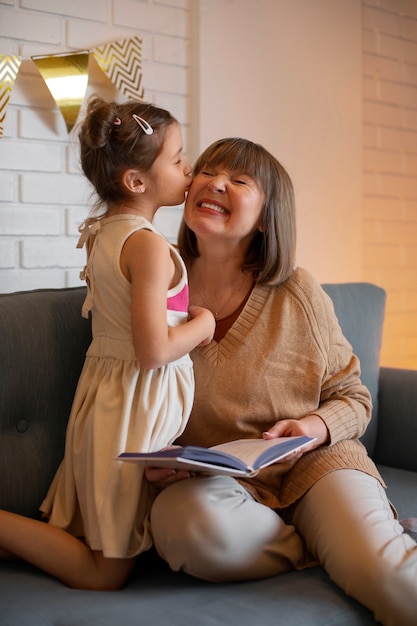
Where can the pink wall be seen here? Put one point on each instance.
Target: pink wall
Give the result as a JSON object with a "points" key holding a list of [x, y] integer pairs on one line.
{"points": [[288, 75]]}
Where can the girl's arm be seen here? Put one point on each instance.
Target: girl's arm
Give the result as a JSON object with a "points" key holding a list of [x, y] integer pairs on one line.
{"points": [[146, 262]]}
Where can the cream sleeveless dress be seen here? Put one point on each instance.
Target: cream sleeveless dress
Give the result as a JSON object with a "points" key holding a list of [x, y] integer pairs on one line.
{"points": [[118, 406]]}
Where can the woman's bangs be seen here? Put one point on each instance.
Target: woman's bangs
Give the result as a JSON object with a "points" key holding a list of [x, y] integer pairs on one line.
{"points": [[239, 156]]}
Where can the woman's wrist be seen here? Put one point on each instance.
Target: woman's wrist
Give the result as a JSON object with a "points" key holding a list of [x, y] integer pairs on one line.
{"points": [[316, 427]]}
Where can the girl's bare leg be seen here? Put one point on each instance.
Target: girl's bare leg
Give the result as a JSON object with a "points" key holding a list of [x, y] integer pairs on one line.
{"points": [[60, 554], [5, 555]]}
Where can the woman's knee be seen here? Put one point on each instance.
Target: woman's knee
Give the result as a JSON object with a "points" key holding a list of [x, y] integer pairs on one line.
{"points": [[213, 529], [188, 518]]}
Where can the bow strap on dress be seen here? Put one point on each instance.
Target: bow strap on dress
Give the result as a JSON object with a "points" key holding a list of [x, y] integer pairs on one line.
{"points": [[90, 227]]}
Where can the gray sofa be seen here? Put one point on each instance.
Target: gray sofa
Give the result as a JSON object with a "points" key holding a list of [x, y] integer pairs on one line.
{"points": [[43, 340]]}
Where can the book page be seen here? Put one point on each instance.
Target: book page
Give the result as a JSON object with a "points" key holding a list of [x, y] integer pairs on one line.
{"points": [[256, 452]]}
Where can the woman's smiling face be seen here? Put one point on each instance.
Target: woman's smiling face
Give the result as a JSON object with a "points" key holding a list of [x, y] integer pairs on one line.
{"points": [[224, 203]]}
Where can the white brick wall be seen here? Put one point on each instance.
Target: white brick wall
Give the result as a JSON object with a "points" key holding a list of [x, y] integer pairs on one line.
{"points": [[390, 168], [43, 196]]}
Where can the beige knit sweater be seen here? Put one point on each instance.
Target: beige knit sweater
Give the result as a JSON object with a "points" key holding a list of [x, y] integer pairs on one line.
{"points": [[284, 357]]}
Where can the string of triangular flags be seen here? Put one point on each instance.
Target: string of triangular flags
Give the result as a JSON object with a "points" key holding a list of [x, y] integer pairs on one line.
{"points": [[121, 62]]}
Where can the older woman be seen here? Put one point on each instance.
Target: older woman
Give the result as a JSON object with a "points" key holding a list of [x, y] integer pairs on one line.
{"points": [[279, 365]]}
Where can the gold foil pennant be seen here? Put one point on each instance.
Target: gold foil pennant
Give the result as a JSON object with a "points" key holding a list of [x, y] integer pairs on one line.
{"points": [[66, 76], [9, 67], [121, 61]]}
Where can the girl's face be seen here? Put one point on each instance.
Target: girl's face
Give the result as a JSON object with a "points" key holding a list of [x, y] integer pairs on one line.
{"points": [[224, 203], [169, 176]]}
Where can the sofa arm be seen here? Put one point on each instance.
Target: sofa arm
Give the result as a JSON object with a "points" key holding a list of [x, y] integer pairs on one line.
{"points": [[396, 442]]}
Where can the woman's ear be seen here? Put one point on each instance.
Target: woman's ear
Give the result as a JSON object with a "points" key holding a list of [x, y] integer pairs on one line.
{"points": [[133, 181], [261, 227]]}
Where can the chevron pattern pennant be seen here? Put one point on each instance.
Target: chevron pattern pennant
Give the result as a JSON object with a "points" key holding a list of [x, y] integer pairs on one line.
{"points": [[121, 61], [9, 66]]}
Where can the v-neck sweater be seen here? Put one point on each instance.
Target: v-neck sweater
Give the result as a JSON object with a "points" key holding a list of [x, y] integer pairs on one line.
{"points": [[285, 357]]}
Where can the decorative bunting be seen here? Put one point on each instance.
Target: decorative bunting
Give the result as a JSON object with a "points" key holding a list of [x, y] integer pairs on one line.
{"points": [[9, 67], [121, 61], [66, 76]]}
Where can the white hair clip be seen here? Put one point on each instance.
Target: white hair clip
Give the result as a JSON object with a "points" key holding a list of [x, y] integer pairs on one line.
{"points": [[145, 126]]}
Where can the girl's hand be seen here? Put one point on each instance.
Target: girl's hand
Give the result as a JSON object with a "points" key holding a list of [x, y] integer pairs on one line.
{"points": [[208, 319], [163, 477]]}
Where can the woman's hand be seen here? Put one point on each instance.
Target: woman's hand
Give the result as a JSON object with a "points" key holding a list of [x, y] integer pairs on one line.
{"points": [[310, 426], [163, 477]]}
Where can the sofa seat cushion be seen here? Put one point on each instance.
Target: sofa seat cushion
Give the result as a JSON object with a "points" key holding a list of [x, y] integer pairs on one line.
{"points": [[164, 597]]}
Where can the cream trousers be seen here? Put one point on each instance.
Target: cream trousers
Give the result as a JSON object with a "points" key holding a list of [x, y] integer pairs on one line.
{"points": [[213, 529]]}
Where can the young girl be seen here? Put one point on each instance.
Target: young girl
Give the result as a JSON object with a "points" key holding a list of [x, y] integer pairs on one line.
{"points": [[136, 388]]}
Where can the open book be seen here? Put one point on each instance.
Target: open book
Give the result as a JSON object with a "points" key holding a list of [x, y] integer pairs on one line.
{"points": [[243, 457]]}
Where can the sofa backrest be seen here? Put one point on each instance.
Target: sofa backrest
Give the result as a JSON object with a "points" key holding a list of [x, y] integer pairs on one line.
{"points": [[43, 341], [360, 309]]}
